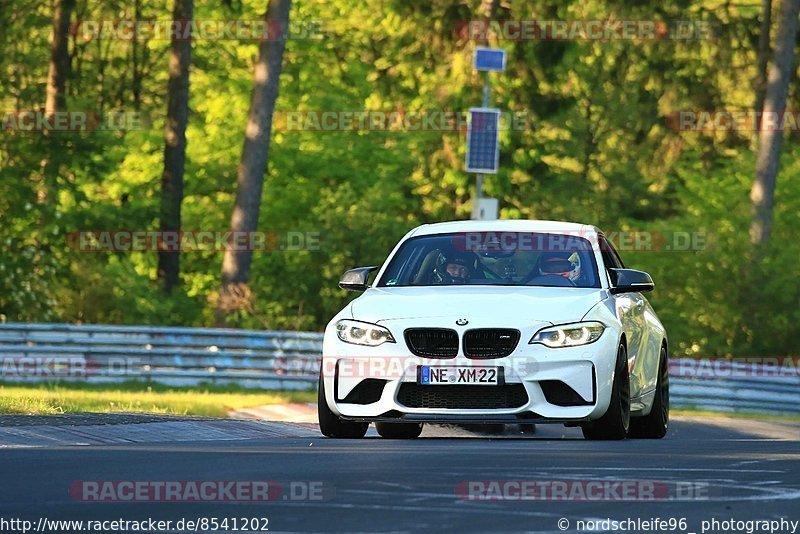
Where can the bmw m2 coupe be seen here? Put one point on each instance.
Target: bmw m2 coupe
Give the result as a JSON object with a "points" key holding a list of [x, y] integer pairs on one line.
{"points": [[497, 322]]}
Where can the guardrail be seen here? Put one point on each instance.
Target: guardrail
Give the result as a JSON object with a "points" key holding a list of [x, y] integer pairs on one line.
{"points": [[290, 360], [168, 355], [737, 387]]}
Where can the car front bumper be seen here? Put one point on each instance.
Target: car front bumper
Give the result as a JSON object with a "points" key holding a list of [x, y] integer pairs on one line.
{"points": [[391, 372]]}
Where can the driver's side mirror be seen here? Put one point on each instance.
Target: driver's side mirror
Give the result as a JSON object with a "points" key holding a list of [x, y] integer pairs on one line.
{"points": [[356, 279], [629, 281]]}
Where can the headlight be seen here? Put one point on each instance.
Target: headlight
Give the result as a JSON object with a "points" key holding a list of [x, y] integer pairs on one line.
{"points": [[569, 335], [359, 333]]}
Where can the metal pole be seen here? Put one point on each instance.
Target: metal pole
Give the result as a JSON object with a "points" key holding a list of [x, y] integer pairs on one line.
{"points": [[479, 177], [486, 89]]}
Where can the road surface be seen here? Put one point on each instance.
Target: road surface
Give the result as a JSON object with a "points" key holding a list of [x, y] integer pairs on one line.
{"points": [[706, 469]]}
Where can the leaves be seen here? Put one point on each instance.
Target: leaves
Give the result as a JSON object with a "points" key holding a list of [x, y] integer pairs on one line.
{"points": [[598, 149]]}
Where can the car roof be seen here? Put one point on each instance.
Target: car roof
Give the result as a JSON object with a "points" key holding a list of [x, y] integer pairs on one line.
{"points": [[515, 225]]}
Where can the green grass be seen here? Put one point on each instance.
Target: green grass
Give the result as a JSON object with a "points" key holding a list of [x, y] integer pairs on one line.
{"points": [[205, 399], [736, 415]]}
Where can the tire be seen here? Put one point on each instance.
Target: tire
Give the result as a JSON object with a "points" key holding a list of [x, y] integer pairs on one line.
{"points": [[331, 425], [399, 430], [616, 421], [655, 424]]}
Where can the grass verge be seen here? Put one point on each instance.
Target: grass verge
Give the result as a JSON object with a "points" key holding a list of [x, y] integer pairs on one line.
{"points": [[204, 399], [736, 415]]}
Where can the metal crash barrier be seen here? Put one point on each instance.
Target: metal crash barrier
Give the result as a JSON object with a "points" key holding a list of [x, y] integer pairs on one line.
{"points": [[290, 360]]}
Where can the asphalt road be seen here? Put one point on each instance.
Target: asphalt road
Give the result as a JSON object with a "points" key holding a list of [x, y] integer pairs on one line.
{"points": [[703, 470]]}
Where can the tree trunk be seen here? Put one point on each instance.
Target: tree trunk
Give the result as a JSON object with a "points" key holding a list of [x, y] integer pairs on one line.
{"points": [[175, 146], [59, 58], [55, 100], [762, 54], [762, 193], [136, 80], [234, 293], [489, 8]]}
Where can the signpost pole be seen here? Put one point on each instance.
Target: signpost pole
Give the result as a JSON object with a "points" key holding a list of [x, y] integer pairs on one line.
{"points": [[479, 176], [482, 134], [486, 89]]}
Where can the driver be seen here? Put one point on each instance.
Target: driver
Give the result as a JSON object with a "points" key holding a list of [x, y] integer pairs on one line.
{"points": [[457, 268], [566, 264]]}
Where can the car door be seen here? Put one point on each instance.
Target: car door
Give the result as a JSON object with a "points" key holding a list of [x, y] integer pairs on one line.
{"points": [[630, 308]]}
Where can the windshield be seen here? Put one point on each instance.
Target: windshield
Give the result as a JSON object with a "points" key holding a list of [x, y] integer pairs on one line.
{"points": [[493, 258]]}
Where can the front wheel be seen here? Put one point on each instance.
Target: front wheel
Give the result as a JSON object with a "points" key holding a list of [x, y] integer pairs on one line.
{"points": [[399, 430], [615, 422], [330, 424], [655, 424]]}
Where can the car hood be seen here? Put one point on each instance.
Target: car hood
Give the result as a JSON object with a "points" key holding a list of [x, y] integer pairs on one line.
{"points": [[549, 304]]}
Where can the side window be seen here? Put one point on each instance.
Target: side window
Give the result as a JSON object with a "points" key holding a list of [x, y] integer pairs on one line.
{"points": [[610, 256], [616, 255]]}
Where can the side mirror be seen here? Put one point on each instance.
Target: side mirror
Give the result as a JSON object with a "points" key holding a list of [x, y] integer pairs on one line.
{"points": [[356, 279], [629, 281]]}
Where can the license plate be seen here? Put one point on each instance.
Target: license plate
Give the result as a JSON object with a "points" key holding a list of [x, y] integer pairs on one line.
{"points": [[442, 375]]}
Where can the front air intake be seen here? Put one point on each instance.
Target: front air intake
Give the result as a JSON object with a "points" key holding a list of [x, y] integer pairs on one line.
{"points": [[489, 343], [432, 342], [462, 397]]}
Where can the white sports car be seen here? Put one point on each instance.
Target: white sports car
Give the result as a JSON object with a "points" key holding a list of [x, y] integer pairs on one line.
{"points": [[497, 322]]}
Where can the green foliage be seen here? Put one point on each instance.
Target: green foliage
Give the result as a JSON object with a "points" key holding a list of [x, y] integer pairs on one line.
{"points": [[599, 150]]}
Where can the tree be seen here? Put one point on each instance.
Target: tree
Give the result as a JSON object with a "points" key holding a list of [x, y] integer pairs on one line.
{"points": [[762, 54], [56, 98], [59, 57], [136, 75], [175, 144], [762, 194], [255, 153]]}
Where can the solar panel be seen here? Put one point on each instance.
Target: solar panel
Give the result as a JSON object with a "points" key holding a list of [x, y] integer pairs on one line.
{"points": [[482, 140], [489, 59]]}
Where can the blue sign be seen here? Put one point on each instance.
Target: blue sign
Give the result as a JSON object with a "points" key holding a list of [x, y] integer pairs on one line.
{"points": [[425, 374], [487, 59], [483, 147]]}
